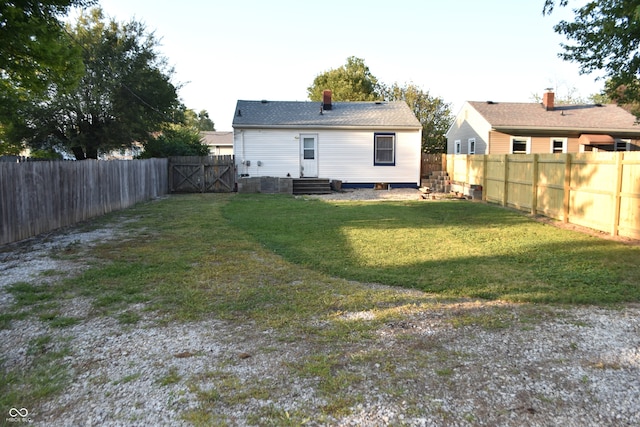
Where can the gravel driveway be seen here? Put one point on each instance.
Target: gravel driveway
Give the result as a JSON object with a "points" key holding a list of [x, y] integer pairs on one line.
{"points": [[462, 363]]}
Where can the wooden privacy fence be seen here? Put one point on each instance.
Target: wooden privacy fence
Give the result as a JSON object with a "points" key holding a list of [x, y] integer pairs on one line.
{"points": [[38, 197], [212, 174], [595, 190], [432, 163]]}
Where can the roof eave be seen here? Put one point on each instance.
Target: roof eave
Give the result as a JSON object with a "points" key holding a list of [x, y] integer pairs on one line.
{"points": [[334, 127], [538, 130]]}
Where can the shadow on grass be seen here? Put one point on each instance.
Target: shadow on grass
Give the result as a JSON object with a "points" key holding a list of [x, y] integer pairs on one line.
{"points": [[454, 249]]}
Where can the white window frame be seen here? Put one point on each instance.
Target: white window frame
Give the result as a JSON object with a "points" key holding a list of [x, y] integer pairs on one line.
{"points": [[627, 143], [458, 147], [564, 145], [472, 143], [527, 140]]}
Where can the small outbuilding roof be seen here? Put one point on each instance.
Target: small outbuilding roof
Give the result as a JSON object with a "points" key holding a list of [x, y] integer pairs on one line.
{"points": [[306, 114], [595, 118]]}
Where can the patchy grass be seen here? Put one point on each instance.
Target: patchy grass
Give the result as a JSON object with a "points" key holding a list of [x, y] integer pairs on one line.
{"points": [[171, 377], [304, 269], [44, 377], [453, 249]]}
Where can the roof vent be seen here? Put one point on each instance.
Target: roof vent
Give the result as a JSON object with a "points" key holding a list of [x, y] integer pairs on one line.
{"points": [[378, 102], [239, 114], [490, 102], [264, 101]]}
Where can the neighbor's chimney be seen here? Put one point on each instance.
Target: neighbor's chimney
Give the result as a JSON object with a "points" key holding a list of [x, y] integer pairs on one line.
{"points": [[326, 99], [547, 100]]}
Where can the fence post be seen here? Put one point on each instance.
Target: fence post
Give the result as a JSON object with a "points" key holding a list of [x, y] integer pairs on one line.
{"points": [[534, 186], [506, 180], [485, 180], [617, 189], [567, 188]]}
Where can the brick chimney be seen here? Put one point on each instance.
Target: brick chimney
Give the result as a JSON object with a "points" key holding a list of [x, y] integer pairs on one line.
{"points": [[547, 100], [326, 99]]}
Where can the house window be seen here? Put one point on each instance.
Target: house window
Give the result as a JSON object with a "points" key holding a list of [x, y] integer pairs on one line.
{"points": [[520, 145], [472, 146], [384, 147], [558, 145], [622, 145], [458, 147]]}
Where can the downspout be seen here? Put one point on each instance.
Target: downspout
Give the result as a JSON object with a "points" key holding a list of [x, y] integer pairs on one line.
{"points": [[244, 168]]}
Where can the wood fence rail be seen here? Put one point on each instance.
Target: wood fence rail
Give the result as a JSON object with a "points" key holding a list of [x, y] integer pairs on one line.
{"points": [[595, 190], [38, 197]]}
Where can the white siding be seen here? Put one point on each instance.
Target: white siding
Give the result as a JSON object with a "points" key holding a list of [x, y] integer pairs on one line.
{"points": [[469, 124], [346, 155], [277, 151]]}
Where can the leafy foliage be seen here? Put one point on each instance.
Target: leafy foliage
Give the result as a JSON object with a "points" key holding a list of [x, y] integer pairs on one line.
{"points": [[200, 121], [350, 82], [607, 37], [175, 141], [124, 95], [36, 54], [433, 113]]}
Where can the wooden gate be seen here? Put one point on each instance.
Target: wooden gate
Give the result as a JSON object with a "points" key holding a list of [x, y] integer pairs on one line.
{"points": [[211, 174], [432, 163]]}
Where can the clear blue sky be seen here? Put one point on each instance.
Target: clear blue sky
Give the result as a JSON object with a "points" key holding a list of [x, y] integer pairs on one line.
{"points": [[459, 50]]}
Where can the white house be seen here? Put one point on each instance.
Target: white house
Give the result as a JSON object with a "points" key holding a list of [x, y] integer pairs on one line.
{"points": [[358, 143]]}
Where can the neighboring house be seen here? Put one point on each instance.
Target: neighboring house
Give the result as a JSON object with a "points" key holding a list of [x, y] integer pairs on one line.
{"points": [[514, 128], [358, 143], [220, 143]]}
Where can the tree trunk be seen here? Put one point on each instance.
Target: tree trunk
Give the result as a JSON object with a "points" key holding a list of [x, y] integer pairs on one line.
{"points": [[92, 153], [79, 153]]}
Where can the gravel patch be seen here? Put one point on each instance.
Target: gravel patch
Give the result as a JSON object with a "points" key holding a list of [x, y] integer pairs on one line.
{"points": [[364, 194], [461, 363]]}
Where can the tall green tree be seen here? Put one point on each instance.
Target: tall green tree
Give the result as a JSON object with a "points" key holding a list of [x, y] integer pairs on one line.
{"points": [[36, 54], [606, 37], [124, 95], [433, 113], [200, 121], [350, 82]]}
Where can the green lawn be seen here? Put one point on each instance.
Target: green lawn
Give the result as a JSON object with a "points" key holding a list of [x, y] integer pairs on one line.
{"points": [[452, 248], [299, 266]]}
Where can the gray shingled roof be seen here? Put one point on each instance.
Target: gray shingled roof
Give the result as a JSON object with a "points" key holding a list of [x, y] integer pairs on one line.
{"points": [[296, 114], [507, 115]]}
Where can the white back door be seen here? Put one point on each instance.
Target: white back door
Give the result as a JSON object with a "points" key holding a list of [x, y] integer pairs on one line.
{"points": [[308, 156]]}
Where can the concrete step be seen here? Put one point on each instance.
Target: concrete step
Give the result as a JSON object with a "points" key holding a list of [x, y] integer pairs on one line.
{"points": [[311, 186]]}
